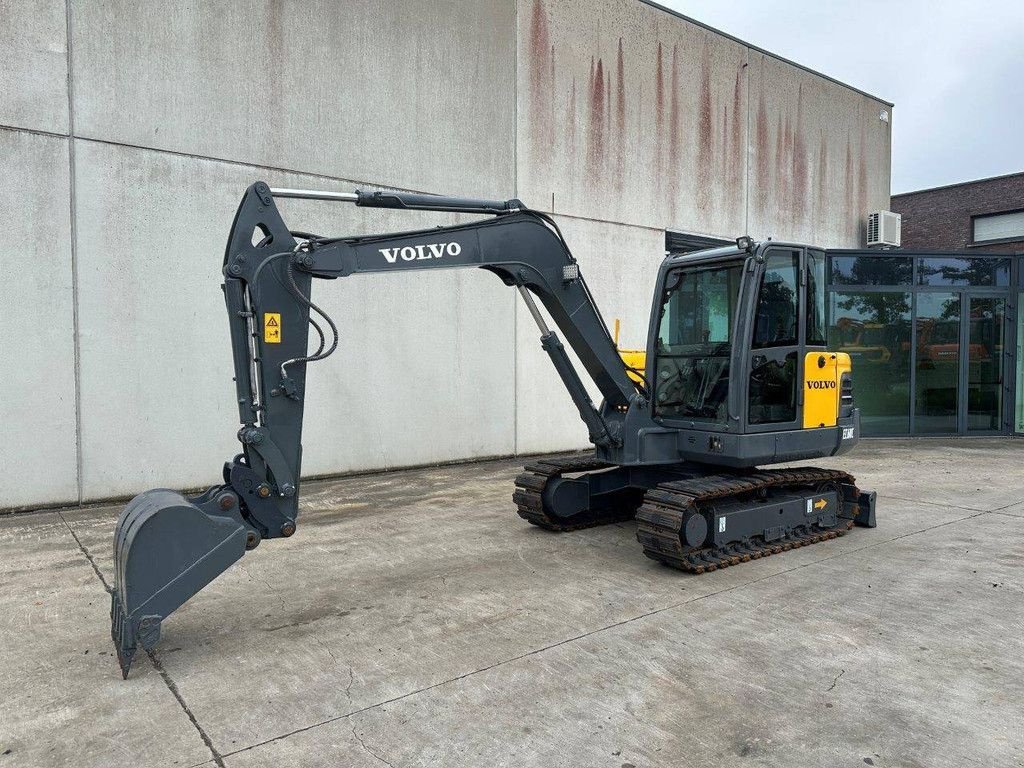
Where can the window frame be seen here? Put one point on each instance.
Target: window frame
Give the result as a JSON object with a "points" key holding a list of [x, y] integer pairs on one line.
{"points": [[738, 361], [975, 243], [742, 262], [1014, 292], [779, 352]]}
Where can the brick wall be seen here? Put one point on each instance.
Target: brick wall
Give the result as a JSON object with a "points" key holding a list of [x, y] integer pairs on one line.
{"points": [[941, 218]]}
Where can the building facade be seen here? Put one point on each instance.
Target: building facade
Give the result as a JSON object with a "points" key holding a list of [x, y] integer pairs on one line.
{"points": [[935, 339], [987, 215], [129, 130]]}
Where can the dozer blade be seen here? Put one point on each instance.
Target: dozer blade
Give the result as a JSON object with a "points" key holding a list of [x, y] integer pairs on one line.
{"points": [[166, 549]]}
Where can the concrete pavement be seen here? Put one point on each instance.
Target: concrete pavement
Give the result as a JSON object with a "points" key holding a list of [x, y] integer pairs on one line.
{"points": [[414, 620]]}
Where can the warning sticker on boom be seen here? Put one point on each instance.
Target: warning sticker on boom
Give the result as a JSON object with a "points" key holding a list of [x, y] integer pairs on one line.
{"points": [[271, 327]]}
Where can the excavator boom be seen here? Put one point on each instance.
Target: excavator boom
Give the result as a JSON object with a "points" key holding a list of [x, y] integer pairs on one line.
{"points": [[167, 547]]}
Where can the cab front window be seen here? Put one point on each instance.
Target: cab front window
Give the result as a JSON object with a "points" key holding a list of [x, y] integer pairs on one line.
{"points": [[694, 345]]}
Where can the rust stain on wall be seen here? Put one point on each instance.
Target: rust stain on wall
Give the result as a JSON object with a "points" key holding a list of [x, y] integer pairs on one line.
{"points": [[764, 161], [778, 185], [596, 127], [849, 194], [571, 127], [705, 137], [659, 92], [608, 109], [541, 128], [862, 182], [798, 186], [674, 139], [723, 172], [734, 147], [620, 119], [822, 197]]}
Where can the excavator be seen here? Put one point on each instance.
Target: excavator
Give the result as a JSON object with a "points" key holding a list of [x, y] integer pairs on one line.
{"points": [[736, 375]]}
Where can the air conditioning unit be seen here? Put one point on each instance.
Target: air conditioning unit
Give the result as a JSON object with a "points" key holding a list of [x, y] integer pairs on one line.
{"points": [[884, 229]]}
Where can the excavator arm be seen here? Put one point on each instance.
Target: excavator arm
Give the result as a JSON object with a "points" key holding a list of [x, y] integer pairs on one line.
{"points": [[167, 546]]}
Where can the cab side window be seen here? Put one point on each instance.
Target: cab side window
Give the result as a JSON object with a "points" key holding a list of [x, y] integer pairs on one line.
{"points": [[815, 298], [778, 301]]}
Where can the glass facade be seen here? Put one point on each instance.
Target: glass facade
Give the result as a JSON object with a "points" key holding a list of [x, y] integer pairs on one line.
{"points": [[965, 271], [985, 366], [937, 362], [929, 336], [1018, 412], [873, 328]]}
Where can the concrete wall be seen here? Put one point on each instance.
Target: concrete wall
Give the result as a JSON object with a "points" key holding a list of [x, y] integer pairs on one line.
{"points": [[129, 130]]}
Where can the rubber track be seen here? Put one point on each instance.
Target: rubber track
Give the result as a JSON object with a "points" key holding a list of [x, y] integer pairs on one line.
{"points": [[529, 493], [660, 517]]}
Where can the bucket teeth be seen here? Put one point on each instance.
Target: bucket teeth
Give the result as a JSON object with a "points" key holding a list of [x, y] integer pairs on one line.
{"points": [[166, 549], [124, 642]]}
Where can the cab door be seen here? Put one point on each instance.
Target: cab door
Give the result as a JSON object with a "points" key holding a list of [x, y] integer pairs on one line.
{"points": [[778, 337], [825, 381]]}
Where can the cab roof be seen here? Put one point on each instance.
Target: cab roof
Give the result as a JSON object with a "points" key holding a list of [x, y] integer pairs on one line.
{"points": [[724, 252]]}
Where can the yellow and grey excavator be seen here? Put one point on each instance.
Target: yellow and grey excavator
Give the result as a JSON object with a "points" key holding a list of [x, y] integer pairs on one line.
{"points": [[736, 375]]}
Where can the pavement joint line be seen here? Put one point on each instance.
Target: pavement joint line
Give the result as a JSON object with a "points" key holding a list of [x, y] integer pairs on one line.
{"points": [[1005, 506], [168, 681], [598, 630], [1007, 514], [173, 688], [947, 506], [311, 483], [85, 551], [366, 748]]}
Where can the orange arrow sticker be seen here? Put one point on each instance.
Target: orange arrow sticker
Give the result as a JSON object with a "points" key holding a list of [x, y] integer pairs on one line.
{"points": [[821, 503]]}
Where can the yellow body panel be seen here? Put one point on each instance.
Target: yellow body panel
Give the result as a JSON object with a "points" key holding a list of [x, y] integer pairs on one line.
{"points": [[634, 358], [822, 374]]}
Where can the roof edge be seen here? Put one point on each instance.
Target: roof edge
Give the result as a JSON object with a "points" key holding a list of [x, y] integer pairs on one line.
{"points": [[765, 51], [958, 184]]}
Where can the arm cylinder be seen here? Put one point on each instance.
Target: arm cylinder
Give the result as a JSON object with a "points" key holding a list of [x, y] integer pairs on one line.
{"points": [[419, 202], [412, 201], [313, 194]]}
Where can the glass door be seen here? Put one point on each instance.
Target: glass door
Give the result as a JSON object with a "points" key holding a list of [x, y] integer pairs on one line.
{"points": [[1018, 421], [937, 363], [959, 363], [983, 359]]}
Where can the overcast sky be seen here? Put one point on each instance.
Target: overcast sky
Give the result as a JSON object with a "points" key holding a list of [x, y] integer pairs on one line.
{"points": [[955, 71]]}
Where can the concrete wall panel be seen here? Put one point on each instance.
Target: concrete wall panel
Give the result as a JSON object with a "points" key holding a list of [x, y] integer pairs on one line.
{"points": [[423, 373], [630, 114], [37, 408], [400, 92], [819, 156], [620, 264], [34, 65]]}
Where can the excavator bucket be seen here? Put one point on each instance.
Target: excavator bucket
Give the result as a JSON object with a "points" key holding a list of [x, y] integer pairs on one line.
{"points": [[166, 549]]}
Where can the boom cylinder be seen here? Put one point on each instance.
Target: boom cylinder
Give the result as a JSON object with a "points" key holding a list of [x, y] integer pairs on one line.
{"points": [[551, 344]]}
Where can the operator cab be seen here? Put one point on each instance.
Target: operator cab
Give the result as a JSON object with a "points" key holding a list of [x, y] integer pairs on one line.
{"points": [[738, 343]]}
